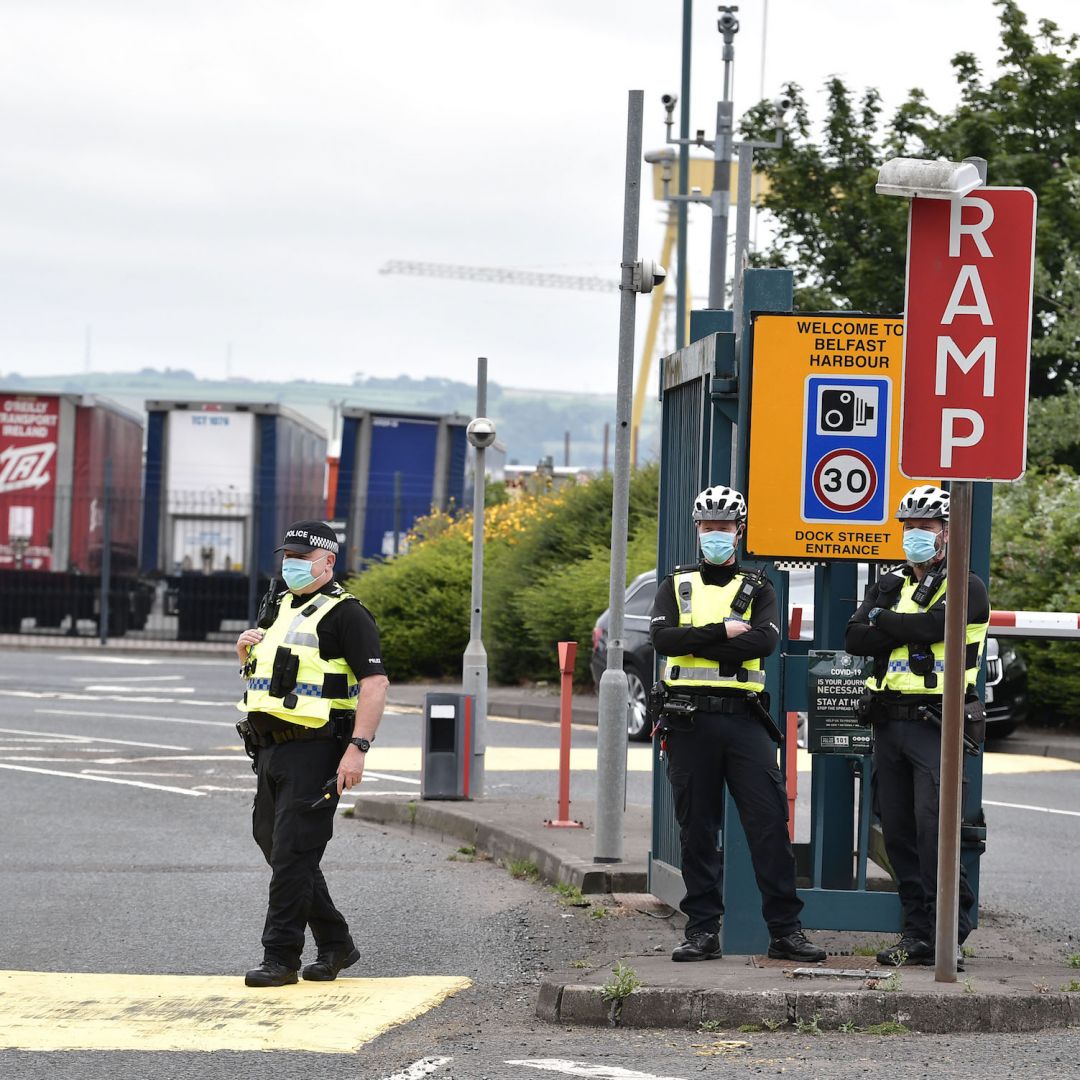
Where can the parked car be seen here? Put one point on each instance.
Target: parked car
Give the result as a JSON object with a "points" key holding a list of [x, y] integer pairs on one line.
{"points": [[1006, 672], [1007, 703]]}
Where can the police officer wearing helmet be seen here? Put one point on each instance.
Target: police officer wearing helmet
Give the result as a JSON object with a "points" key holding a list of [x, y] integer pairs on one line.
{"points": [[316, 690], [901, 626], [714, 623]]}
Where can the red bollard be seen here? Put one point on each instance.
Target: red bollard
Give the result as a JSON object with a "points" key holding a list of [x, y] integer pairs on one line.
{"points": [[567, 656], [791, 750]]}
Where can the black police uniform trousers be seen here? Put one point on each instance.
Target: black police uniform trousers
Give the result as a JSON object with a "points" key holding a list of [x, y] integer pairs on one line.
{"points": [[704, 754], [907, 779], [292, 834]]}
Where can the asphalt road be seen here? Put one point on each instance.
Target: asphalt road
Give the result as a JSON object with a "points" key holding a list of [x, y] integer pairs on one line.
{"points": [[148, 868]]}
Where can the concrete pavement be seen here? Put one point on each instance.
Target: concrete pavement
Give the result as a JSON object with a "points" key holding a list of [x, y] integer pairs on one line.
{"points": [[1012, 983]]}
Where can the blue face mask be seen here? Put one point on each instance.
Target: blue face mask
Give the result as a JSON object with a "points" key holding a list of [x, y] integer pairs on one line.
{"points": [[297, 573], [920, 545], [717, 547]]}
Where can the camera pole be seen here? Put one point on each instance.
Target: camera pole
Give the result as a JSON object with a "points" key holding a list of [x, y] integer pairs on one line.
{"points": [[721, 190], [614, 692], [474, 675]]}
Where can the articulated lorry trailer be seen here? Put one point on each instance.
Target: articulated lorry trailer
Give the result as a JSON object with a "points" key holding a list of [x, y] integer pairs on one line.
{"points": [[70, 486], [222, 482], [394, 468]]}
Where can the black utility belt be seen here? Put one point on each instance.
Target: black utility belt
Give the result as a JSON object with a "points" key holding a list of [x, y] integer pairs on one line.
{"points": [[267, 733], [708, 703]]}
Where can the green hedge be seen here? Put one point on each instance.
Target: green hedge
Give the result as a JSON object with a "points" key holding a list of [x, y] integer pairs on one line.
{"points": [[546, 579]]}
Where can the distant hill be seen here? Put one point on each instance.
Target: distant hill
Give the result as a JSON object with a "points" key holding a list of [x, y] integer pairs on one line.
{"points": [[531, 423]]}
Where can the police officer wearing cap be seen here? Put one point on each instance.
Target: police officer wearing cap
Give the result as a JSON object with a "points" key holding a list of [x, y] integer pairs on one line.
{"points": [[315, 693], [901, 626], [715, 623]]}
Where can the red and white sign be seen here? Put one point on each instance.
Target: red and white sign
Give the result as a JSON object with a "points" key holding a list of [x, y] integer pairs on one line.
{"points": [[967, 336]]}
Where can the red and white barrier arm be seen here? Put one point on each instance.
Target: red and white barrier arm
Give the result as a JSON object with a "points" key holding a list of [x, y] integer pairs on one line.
{"points": [[1035, 624]]}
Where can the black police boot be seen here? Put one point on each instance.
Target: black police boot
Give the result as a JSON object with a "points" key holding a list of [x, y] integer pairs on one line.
{"points": [[908, 950], [270, 973], [795, 946], [328, 964], [699, 946]]}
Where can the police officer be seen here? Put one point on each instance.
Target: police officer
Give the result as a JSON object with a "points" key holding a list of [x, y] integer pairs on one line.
{"points": [[715, 623], [316, 689], [901, 626]]}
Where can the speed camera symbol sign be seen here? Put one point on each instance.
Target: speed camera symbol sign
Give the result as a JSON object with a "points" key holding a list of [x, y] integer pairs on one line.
{"points": [[846, 449]]}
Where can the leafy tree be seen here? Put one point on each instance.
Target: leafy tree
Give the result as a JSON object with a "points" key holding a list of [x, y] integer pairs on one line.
{"points": [[1034, 551], [848, 244]]}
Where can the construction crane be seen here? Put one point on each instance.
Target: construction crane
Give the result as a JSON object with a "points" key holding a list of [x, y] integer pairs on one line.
{"points": [[665, 173], [540, 279]]}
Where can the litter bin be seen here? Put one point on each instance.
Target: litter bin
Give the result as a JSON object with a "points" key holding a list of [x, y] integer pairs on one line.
{"points": [[447, 746]]}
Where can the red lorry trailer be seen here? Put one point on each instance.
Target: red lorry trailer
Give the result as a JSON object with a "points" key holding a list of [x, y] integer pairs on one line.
{"points": [[56, 509]]}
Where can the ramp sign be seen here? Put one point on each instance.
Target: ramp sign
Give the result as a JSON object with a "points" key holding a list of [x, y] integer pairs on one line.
{"points": [[824, 477]]}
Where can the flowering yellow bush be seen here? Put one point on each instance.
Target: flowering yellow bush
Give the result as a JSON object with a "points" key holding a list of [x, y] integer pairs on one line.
{"points": [[507, 521]]}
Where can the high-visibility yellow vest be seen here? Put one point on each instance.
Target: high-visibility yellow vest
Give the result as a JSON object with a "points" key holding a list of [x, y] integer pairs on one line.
{"points": [[899, 677], [308, 704], [700, 604]]}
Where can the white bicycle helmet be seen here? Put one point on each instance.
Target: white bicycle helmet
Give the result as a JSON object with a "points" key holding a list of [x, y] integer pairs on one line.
{"points": [[720, 504], [925, 501]]}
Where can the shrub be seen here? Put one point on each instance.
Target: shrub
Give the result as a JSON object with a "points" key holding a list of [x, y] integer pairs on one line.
{"points": [[546, 579]]}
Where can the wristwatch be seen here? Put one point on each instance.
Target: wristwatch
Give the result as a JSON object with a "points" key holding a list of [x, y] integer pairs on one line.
{"points": [[361, 744]]}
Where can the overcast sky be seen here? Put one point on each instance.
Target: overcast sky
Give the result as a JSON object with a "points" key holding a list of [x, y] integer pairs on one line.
{"points": [[180, 175]]}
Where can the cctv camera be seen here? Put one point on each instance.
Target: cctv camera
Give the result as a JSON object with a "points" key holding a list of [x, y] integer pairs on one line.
{"points": [[668, 101], [727, 20], [782, 104], [658, 157], [647, 275], [481, 432]]}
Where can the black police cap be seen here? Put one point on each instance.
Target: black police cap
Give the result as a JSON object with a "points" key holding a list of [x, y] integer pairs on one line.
{"points": [[305, 536]]}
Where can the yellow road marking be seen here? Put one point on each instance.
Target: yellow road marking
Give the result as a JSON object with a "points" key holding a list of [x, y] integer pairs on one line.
{"points": [[639, 759], [73, 1011]]}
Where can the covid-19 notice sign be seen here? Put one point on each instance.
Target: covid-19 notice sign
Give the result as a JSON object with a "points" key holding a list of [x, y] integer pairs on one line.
{"points": [[824, 478], [28, 440]]}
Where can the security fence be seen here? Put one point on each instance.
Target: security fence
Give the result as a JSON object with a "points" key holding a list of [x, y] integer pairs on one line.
{"points": [[90, 563]]}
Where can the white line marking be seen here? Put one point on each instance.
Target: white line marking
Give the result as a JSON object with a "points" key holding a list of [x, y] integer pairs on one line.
{"points": [[58, 695], [423, 1067], [103, 779], [96, 739], [582, 1068], [210, 787], [117, 688], [133, 678], [125, 772], [228, 659], [135, 716], [177, 757], [390, 776], [1024, 806]]}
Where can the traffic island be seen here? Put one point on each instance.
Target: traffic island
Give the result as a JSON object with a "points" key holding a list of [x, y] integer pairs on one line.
{"points": [[758, 994]]}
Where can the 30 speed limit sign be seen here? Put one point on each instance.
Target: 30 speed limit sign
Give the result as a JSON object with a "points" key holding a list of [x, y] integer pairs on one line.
{"points": [[845, 480], [846, 436]]}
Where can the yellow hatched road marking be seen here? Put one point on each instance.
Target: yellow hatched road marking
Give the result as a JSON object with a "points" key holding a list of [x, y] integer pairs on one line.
{"points": [[74, 1011]]}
